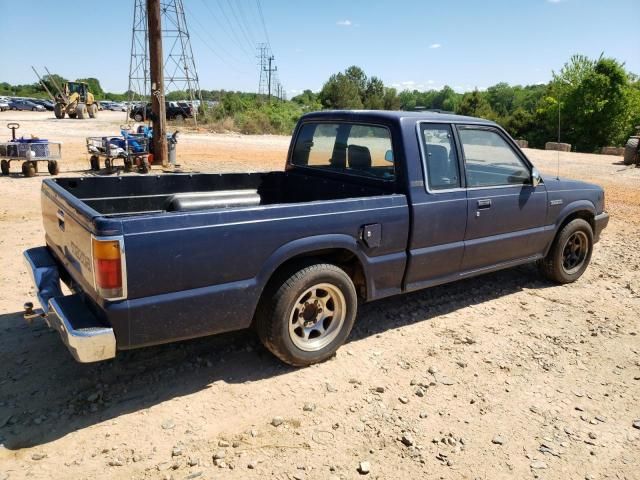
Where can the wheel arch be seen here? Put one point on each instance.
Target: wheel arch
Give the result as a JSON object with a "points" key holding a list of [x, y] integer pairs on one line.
{"points": [[339, 250], [582, 209]]}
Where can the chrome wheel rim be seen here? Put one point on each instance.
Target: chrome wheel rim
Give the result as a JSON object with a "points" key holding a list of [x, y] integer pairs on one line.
{"points": [[317, 317], [575, 252]]}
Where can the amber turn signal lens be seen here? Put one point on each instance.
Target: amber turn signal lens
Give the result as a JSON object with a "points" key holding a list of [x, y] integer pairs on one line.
{"points": [[107, 267]]}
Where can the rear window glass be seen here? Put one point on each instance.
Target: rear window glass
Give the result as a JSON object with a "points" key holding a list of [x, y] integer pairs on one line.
{"points": [[346, 147]]}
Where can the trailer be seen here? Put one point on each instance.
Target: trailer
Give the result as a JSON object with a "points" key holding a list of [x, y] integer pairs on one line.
{"points": [[29, 151], [131, 148]]}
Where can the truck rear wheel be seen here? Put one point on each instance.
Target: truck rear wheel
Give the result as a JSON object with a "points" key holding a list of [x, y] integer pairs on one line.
{"points": [[307, 314], [4, 165], [570, 253], [93, 110]]}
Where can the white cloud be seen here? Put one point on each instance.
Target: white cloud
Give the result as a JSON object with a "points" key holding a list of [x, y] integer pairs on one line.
{"points": [[435, 45], [430, 82], [344, 23], [408, 83]]}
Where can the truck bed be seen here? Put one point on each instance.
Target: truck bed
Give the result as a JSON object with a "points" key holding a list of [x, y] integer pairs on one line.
{"points": [[136, 195], [195, 265]]}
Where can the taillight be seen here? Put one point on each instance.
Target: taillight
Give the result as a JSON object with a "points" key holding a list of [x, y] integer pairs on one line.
{"points": [[107, 268]]}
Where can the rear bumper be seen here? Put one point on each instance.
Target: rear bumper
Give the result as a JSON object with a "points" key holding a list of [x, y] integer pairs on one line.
{"points": [[601, 221], [86, 337]]}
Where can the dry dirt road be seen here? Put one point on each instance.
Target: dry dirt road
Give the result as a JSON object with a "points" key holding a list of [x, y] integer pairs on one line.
{"points": [[502, 376]]}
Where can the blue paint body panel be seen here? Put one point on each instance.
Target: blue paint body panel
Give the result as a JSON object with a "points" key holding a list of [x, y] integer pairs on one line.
{"points": [[195, 273]]}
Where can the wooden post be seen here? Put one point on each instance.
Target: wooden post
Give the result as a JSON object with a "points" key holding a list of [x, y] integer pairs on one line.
{"points": [[158, 109]]}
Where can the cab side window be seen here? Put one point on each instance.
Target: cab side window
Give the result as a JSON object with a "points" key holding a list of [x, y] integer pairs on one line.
{"points": [[440, 158], [489, 159]]}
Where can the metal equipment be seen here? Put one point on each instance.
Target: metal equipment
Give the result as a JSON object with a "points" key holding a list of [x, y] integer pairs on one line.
{"points": [[73, 98], [132, 148], [29, 151]]}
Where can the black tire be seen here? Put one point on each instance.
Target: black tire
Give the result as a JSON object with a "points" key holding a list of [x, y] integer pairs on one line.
{"points": [[81, 111], [34, 109], [92, 110], [631, 151], [28, 169], [52, 166], [73, 114], [279, 306], [562, 264], [58, 110], [94, 161], [138, 117], [144, 167], [4, 166], [108, 164]]}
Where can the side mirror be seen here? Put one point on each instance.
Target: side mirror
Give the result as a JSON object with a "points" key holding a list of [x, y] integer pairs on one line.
{"points": [[536, 179], [388, 156]]}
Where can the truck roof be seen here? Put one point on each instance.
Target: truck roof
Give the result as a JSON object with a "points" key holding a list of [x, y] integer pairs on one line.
{"points": [[393, 115]]}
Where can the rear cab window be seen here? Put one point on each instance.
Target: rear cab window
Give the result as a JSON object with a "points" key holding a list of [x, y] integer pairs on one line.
{"points": [[350, 148]]}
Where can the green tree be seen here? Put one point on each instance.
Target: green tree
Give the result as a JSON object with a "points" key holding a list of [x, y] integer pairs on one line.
{"points": [[340, 92], [475, 104], [501, 98], [359, 78], [374, 94], [391, 99], [596, 102]]}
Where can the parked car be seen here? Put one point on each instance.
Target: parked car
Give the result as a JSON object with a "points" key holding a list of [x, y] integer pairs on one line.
{"points": [[4, 105], [20, 104], [47, 104], [371, 204], [174, 111]]}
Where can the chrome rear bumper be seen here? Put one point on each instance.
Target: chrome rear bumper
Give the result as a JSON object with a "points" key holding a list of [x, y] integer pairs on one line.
{"points": [[86, 337]]}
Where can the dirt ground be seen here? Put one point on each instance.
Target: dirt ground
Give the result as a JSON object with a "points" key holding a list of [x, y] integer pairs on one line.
{"points": [[501, 376]]}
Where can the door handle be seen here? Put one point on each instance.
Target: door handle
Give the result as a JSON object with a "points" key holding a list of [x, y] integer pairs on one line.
{"points": [[484, 204]]}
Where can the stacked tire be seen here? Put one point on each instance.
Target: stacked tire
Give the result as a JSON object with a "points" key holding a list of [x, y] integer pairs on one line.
{"points": [[631, 151]]}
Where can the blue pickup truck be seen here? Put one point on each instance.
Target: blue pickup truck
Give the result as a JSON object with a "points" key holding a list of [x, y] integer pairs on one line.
{"points": [[370, 204]]}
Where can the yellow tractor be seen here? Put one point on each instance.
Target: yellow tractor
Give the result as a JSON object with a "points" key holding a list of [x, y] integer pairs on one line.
{"points": [[76, 101], [73, 99]]}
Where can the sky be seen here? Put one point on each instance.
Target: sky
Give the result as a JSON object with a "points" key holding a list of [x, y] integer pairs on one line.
{"points": [[409, 44]]}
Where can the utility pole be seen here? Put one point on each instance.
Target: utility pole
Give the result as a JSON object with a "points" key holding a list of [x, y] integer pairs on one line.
{"points": [[158, 109], [270, 70]]}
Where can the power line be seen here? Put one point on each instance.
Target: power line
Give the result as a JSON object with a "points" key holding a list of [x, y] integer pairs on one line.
{"points": [[246, 22], [240, 24], [230, 31], [264, 25], [238, 37], [217, 46]]}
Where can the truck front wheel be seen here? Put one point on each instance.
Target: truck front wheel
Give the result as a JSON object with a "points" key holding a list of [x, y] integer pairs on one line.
{"points": [[307, 314], [570, 253]]}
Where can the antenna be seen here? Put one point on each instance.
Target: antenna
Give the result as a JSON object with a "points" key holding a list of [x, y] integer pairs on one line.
{"points": [[558, 158]]}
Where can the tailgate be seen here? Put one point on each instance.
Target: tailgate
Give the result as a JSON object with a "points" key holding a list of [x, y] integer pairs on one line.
{"points": [[68, 225]]}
